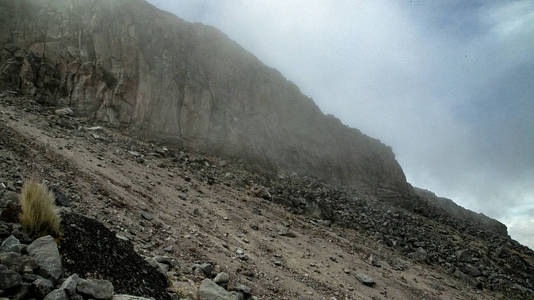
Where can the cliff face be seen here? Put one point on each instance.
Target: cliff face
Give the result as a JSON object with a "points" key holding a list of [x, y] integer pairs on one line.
{"points": [[146, 71]]}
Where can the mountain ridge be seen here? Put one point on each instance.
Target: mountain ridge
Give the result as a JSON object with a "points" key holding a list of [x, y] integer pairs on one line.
{"points": [[80, 80], [158, 76]]}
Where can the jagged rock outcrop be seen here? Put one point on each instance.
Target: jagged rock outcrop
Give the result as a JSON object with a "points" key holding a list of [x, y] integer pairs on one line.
{"points": [[452, 209], [153, 74]]}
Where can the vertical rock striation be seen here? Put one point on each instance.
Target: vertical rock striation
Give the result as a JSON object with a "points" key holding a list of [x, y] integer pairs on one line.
{"points": [[152, 74]]}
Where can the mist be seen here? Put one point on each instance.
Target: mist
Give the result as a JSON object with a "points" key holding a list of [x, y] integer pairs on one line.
{"points": [[447, 84]]}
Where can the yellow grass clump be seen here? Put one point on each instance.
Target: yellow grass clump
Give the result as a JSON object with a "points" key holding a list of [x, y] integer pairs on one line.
{"points": [[39, 215]]}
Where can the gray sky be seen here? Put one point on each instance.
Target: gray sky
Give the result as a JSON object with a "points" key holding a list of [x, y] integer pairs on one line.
{"points": [[448, 84]]}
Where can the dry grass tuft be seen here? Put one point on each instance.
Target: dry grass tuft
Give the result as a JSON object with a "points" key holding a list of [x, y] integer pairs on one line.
{"points": [[39, 215]]}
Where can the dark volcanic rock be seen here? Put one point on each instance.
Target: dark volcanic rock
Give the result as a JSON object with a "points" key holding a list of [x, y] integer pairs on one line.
{"points": [[90, 248], [57, 294], [99, 289], [42, 286], [9, 279]]}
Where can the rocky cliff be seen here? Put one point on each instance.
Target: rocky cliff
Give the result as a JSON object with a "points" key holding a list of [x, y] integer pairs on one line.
{"points": [[448, 208], [152, 74]]}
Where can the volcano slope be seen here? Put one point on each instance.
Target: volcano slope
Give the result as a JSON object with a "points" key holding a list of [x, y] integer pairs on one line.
{"points": [[296, 238], [127, 70]]}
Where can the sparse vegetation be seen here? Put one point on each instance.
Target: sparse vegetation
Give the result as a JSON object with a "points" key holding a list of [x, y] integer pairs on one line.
{"points": [[39, 215]]}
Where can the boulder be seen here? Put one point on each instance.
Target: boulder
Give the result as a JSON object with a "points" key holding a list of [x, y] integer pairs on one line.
{"points": [[44, 251], [98, 289], [11, 244], [57, 294], [9, 279], [209, 290], [18, 263], [42, 286], [128, 297], [70, 284]]}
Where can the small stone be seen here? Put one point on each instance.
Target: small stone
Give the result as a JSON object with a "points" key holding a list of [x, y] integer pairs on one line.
{"points": [[11, 212], [209, 290], [163, 268], [164, 260], [30, 277], [262, 192], [99, 289], [134, 153], [366, 280], [11, 244], [147, 216], [121, 237], [128, 297], [64, 111], [221, 279], [286, 233], [5, 229], [243, 289], [206, 268]]}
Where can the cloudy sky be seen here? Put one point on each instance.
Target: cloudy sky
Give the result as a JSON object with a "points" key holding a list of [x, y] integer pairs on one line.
{"points": [[448, 84]]}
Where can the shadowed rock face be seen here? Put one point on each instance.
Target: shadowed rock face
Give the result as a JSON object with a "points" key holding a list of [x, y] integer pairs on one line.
{"points": [[155, 75]]}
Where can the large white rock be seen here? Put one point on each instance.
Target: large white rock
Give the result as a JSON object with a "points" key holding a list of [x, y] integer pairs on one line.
{"points": [[98, 289], [209, 290], [128, 297], [44, 251]]}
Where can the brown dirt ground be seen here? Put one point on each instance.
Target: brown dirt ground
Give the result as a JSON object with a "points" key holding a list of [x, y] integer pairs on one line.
{"points": [[208, 223]]}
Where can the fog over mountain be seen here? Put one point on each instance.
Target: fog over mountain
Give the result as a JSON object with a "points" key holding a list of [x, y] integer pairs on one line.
{"points": [[447, 84]]}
